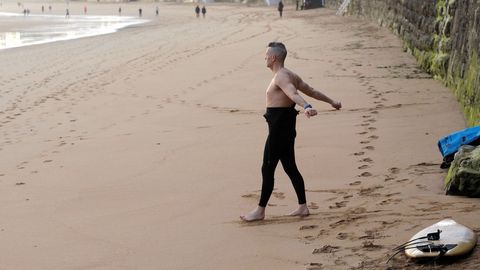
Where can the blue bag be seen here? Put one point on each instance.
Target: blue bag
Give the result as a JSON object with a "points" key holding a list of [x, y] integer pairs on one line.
{"points": [[450, 144]]}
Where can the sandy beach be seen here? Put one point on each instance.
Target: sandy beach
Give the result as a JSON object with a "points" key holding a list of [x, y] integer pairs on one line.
{"points": [[140, 149]]}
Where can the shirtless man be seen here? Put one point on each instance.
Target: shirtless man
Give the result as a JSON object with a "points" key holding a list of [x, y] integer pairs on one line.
{"points": [[282, 96]]}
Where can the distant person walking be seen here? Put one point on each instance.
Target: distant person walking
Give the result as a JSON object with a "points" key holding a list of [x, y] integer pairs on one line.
{"points": [[85, 10], [297, 4], [140, 12], [119, 11], [280, 8], [43, 8], [67, 13], [156, 11], [197, 11], [204, 10]]}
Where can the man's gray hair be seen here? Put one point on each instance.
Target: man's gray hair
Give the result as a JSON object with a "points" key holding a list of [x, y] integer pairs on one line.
{"points": [[279, 50]]}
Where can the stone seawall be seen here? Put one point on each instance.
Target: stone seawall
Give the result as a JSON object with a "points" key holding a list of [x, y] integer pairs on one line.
{"points": [[444, 36]]}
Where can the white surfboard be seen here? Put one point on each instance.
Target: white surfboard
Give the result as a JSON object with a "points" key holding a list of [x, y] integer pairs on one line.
{"points": [[455, 240]]}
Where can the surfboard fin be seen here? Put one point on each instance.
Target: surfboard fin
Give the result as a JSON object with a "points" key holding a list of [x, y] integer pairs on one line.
{"points": [[434, 236], [436, 248]]}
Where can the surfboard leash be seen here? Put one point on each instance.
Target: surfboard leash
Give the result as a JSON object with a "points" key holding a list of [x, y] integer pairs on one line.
{"points": [[430, 237], [441, 249]]}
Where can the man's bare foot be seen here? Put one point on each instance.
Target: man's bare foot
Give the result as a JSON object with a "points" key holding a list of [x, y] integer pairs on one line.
{"points": [[257, 214], [302, 211]]}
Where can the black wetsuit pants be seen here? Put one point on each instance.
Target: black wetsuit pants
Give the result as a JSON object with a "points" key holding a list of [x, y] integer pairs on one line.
{"points": [[280, 147]]}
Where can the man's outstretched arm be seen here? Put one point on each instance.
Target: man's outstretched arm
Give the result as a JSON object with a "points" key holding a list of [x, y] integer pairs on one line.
{"points": [[311, 92]]}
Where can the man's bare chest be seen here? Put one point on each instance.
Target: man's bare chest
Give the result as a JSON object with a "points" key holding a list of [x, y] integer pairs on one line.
{"points": [[273, 89]]}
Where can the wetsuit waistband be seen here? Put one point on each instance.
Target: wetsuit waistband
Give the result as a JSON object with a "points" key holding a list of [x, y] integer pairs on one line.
{"points": [[281, 108]]}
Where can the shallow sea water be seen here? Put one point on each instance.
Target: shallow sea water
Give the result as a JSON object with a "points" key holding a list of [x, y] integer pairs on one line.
{"points": [[28, 30]]}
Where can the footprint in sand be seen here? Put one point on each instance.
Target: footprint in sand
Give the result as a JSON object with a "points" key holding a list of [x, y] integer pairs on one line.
{"points": [[359, 153], [309, 238], [356, 183], [364, 142], [338, 205], [323, 232], [394, 170], [369, 190], [389, 201], [369, 160], [372, 128], [365, 174], [422, 187], [253, 196], [393, 194], [313, 205], [279, 195], [314, 266], [373, 137], [326, 249], [389, 178], [363, 167], [370, 246], [362, 133], [308, 227], [342, 236], [369, 147]]}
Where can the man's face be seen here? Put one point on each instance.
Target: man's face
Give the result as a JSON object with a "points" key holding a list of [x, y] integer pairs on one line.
{"points": [[269, 58]]}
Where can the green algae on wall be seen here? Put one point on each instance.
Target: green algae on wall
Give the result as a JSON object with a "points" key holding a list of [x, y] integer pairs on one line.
{"points": [[441, 45], [464, 82], [467, 91]]}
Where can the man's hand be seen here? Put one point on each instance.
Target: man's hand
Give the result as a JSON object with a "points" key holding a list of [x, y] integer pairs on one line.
{"points": [[309, 112], [337, 105]]}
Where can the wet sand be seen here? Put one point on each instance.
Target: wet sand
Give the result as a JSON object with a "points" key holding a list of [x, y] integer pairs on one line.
{"points": [[140, 149]]}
